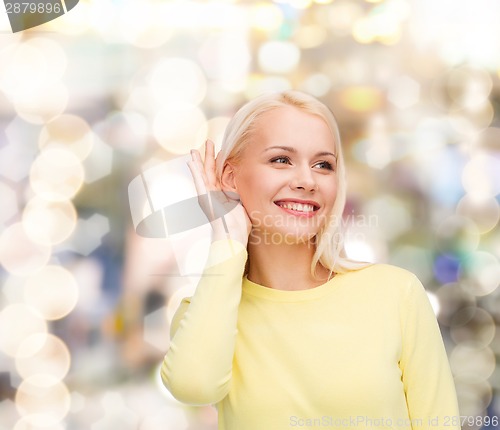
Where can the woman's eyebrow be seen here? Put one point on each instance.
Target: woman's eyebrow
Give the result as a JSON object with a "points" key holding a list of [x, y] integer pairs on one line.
{"points": [[284, 148], [326, 153], [293, 150]]}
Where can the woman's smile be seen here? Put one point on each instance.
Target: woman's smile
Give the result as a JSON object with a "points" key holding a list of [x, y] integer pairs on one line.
{"points": [[305, 208]]}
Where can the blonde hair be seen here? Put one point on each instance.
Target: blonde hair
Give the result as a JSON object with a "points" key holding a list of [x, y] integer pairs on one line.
{"points": [[329, 242]]}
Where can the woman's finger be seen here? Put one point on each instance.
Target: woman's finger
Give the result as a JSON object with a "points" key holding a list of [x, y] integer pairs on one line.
{"points": [[198, 162], [198, 175], [210, 164], [203, 186]]}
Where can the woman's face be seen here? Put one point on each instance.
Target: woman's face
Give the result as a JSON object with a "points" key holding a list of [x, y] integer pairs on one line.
{"points": [[287, 178]]}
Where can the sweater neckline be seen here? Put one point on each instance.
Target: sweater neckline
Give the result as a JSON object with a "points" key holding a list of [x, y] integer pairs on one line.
{"points": [[254, 289]]}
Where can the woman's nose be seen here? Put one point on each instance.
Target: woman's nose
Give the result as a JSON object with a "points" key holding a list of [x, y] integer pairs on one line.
{"points": [[303, 179]]}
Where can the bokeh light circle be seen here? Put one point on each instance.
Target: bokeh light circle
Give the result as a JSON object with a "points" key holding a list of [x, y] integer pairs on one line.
{"points": [[177, 80], [49, 223], [19, 321], [310, 36], [495, 346], [56, 174], [485, 212], [265, 16], [489, 139], [124, 131], [43, 400], [413, 258], [453, 299], [340, 17], [361, 99], [43, 354], [480, 273], [57, 60], [42, 104], [475, 362], [481, 176], [278, 57], [474, 394], [24, 68], [317, 84], [382, 27], [179, 128], [141, 25], [30, 66], [478, 330], [457, 235], [387, 213], [300, 4], [19, 254], [469, 88], [70, 131], [404, 92], [53, 291], [470, 123]]}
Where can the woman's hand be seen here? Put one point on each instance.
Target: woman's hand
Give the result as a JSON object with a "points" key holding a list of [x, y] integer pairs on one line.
{"points": [[223, 209]]}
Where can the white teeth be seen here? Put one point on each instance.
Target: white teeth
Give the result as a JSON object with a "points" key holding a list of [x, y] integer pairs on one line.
{"points": [[299, 207]]}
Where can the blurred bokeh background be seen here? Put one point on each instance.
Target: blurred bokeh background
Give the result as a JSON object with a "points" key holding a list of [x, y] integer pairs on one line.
{"points": [[115, 87]]}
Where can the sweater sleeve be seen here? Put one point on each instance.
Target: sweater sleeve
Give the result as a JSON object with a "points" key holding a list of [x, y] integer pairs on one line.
{"points": [[197, 367], [426, 375]]}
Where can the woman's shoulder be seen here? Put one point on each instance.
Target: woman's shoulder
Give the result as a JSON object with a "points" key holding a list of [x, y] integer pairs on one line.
{"points": [[384, 269], [386, 276]]}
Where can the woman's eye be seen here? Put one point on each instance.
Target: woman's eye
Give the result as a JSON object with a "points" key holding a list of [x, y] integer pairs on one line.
{"points": [[280, 160], [324, 165]]}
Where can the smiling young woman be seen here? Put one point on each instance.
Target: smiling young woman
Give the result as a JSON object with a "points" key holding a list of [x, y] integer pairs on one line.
{"points": [[283, 327]]}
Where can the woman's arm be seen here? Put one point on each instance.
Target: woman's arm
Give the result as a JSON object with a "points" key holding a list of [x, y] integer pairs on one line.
{"points": [[426, 375], [198, 365]]}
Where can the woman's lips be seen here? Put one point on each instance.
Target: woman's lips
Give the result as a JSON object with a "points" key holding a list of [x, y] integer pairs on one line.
{"points": [[300, 208]]}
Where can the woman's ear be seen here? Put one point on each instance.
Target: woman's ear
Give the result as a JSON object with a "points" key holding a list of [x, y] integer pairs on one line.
{"points": [[228, 180]]}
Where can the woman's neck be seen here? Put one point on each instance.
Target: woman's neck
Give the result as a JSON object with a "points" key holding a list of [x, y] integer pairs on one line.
{"points": [[284, 266]]}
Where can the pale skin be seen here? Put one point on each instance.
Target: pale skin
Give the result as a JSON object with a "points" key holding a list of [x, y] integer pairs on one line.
{"points": [[289, 160]]}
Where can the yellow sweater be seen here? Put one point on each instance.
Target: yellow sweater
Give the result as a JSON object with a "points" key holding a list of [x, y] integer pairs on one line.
{"points": [[362, 351]]}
